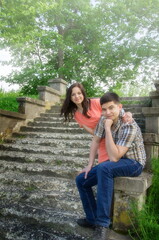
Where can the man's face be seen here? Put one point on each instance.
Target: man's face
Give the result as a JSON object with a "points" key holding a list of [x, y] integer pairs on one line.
{"points": [[111, 110]]}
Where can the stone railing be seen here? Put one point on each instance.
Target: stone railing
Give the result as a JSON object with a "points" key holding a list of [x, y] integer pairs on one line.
{"points": [[30, 108]]}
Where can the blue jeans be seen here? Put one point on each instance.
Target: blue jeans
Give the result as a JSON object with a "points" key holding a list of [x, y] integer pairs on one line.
{"points": [[98, 210]]}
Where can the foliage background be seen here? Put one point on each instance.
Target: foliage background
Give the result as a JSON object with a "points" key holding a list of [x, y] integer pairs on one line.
{"points": [[106, 44]]}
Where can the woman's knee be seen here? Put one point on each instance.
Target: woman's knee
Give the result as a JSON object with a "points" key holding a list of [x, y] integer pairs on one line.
{"points": [[79, 179]]}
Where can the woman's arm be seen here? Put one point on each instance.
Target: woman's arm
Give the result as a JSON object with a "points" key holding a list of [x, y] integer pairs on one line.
{"points": [[92, 155], [89, 130]]}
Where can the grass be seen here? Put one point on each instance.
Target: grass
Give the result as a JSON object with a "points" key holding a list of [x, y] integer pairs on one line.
{"points": [[146, 226], [8, 100], [31, 187]]}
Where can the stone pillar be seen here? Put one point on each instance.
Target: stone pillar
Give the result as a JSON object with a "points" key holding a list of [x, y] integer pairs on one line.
{"points": [[151, 135], [49, 95], [151, 141], [155, 95], [152, 113], [58, 84], [127, 192], [30, 107]]}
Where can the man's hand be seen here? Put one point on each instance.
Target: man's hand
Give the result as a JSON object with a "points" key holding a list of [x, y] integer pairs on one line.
{"points": [[86, 170], [108, 123]]}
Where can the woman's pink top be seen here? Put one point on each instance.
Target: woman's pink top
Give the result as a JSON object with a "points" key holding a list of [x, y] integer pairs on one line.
{"points": [[94, 112]]}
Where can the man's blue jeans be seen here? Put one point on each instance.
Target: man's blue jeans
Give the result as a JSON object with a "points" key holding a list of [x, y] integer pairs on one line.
{"points": [[98, 210]]}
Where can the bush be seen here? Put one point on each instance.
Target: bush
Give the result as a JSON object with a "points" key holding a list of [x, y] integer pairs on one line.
{"points": [[147, 220], [8, 100]]}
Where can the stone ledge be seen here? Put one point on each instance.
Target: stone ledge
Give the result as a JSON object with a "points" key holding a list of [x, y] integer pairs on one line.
{"points": [[133, 184], [150, 111], [12, 114], [134, 98], [49, 89], [154, 94], [31, 100], [151, 138]]}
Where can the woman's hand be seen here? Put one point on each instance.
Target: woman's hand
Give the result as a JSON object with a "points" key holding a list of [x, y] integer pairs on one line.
{"points": [[127, 118], [86, 170]]}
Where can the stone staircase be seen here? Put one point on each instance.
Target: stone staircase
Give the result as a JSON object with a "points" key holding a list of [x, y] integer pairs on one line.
{"points": [[38, 196]]}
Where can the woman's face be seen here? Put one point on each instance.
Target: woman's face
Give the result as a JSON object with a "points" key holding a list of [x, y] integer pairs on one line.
{"points": [[77, 96]]}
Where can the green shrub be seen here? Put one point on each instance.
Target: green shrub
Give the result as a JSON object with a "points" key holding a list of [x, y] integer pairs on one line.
{"points": [[147, 220], [8, 100]]}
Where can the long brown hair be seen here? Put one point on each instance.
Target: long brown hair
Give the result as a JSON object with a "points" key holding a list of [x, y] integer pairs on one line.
{"points": [[69, 108]]}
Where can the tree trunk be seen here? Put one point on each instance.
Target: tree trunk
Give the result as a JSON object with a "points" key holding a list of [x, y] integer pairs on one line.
{"points": [[60, 52]]}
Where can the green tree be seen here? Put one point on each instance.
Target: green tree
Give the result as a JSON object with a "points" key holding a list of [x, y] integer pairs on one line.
{"points": [[111, 42], [131, 44]]}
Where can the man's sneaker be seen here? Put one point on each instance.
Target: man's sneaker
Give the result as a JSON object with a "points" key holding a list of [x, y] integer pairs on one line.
{"points": [[101, 233], [84, 223]]}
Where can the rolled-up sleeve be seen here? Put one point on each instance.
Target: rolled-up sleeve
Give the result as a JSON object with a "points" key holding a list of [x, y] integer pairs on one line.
{"points": [[126, 135]]}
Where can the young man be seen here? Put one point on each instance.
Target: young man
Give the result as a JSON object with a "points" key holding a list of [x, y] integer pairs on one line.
{"points": [[125, 148]]}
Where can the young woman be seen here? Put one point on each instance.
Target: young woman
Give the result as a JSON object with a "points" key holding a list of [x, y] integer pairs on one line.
{"points": [[86, 112]]}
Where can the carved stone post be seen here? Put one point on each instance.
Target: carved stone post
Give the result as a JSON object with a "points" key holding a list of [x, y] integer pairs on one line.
{"points": [[151, 136], [59, 85]]}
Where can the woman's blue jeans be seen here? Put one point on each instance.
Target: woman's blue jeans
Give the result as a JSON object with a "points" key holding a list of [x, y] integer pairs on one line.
{"points": [[98, 210]]}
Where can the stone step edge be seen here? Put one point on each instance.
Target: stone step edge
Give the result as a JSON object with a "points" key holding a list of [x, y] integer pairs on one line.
{"points": [[59, 221], [21, 134], [77, 152], [31, 232], [41, 169], [59, 160]]}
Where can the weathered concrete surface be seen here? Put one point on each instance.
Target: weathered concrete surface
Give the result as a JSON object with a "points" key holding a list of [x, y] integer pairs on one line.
{"points": [[38, 196], [133, 185], [118, 236]]}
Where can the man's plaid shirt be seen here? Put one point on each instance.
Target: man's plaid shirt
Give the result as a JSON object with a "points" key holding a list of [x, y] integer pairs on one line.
{"points": [[127, 135]]}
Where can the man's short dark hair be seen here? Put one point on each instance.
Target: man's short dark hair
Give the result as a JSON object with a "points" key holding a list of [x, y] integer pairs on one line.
{"points": [[109, 97]]}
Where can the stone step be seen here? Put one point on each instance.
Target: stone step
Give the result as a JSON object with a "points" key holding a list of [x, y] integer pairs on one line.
{"points": [[56, 109], [49, 114], [48, 199], [29, 148], [133, 109], [134, 106], [59, 160], [59, 199], [127, 108], [52, 129], [53, 142], [40, 192], [50, 135], [60, 119], [59, 221], [28, 229], [51, 170], [138, 117], [41, 182], [53, 124]]}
